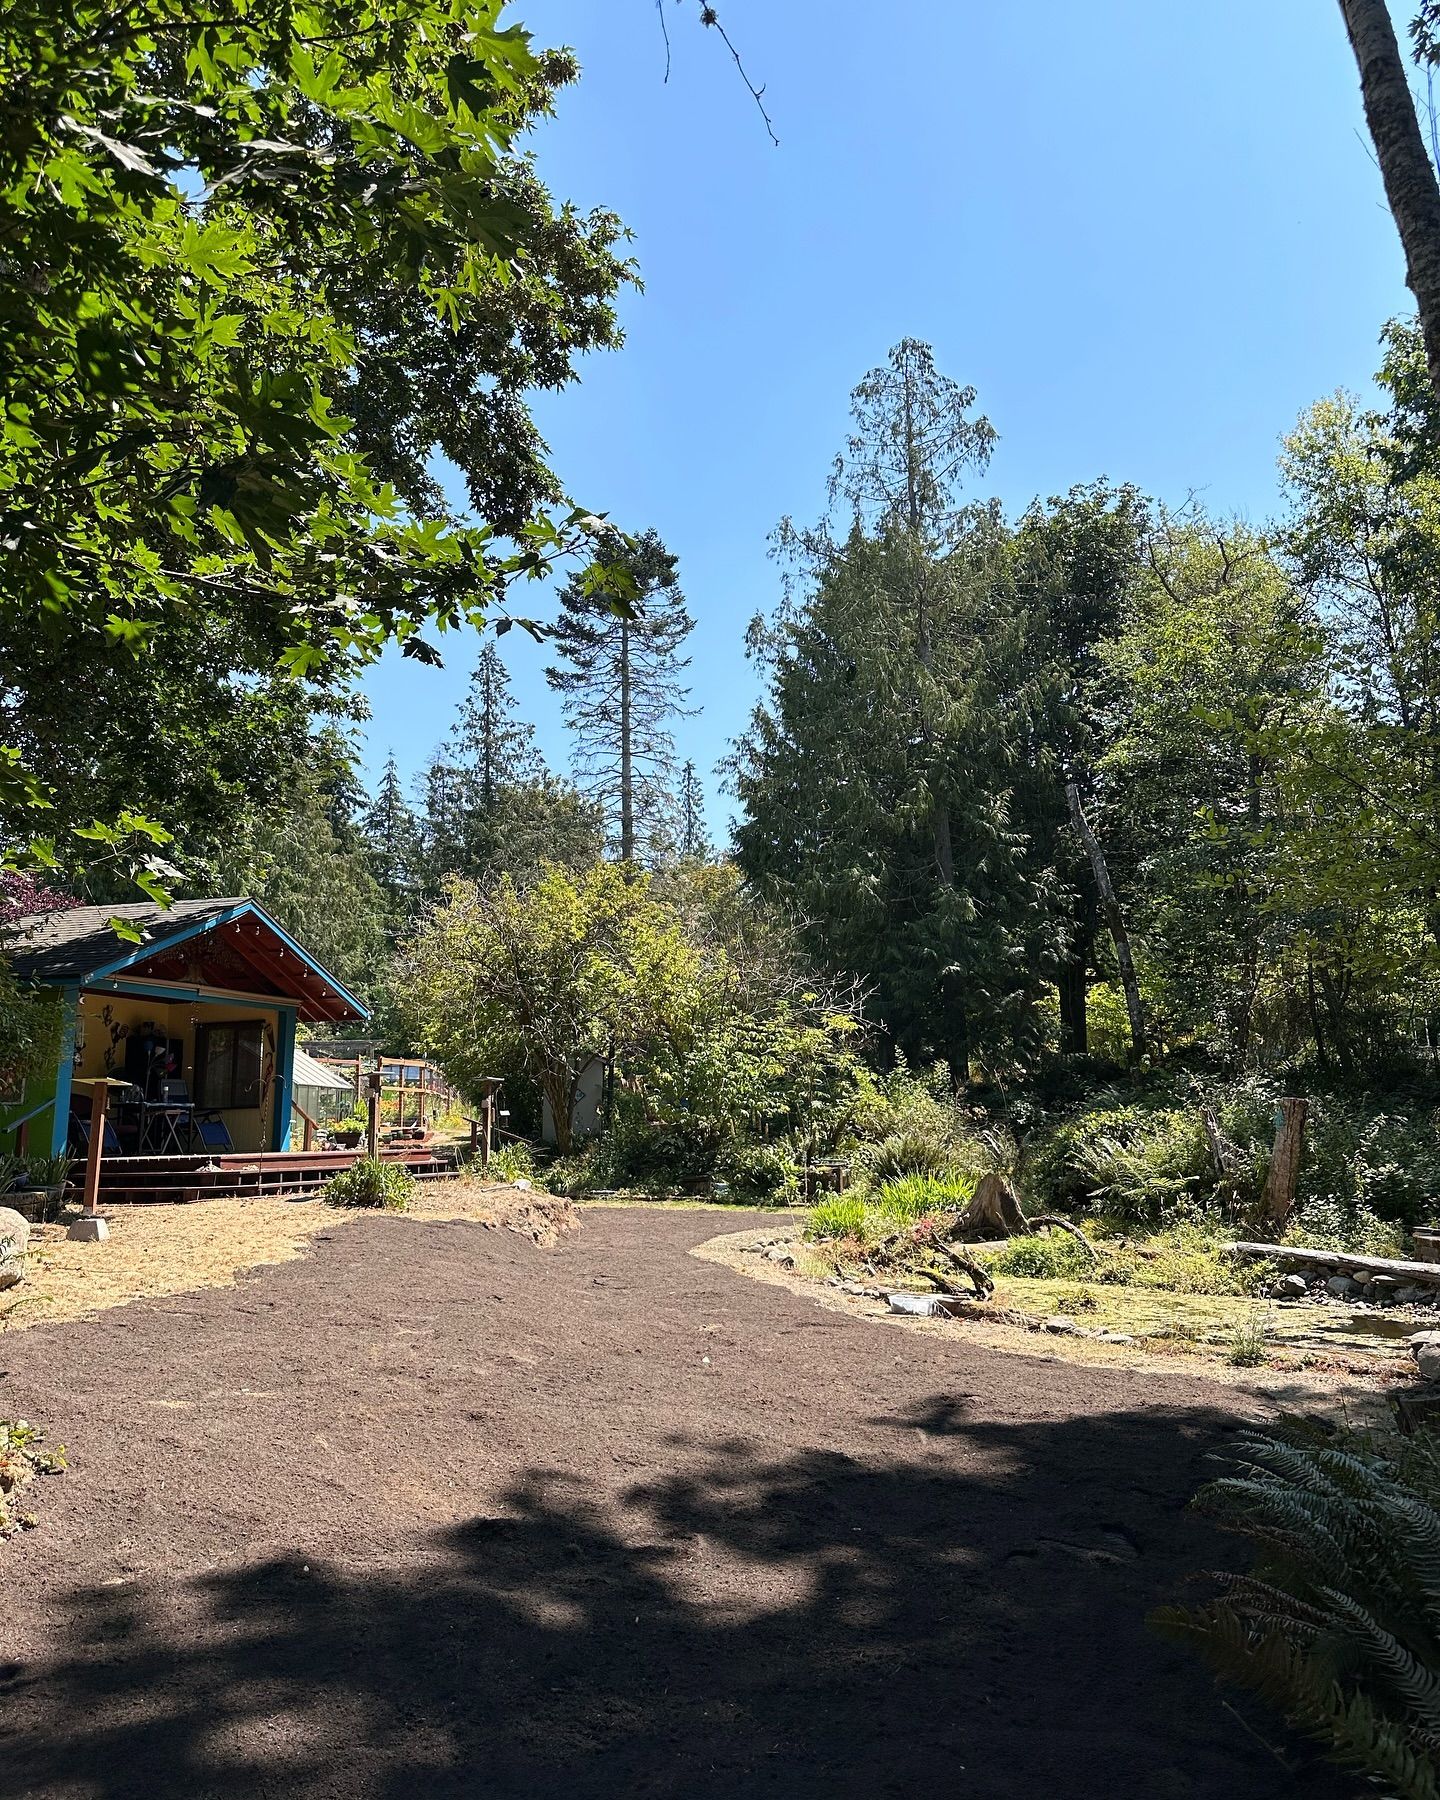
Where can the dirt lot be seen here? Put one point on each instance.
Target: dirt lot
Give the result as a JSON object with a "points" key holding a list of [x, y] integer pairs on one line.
{"points": [[154, 1250], [435, 1512]]}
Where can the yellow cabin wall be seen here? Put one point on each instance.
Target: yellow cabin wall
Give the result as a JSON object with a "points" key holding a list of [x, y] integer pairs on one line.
{"points": [[106, 1020]]}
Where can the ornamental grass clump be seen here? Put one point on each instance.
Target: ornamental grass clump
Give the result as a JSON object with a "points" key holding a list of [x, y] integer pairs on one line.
{"points": [[837, 1219], [913, 1196], [1338, 1624], [372, 1183]]}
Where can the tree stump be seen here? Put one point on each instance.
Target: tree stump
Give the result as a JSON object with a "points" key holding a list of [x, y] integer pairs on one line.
{"points": [[1278, 1201], [995, 1208]]}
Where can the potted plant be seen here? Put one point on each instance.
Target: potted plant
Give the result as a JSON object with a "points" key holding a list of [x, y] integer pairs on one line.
{"points": [[348, 1132], [37, 1186]]}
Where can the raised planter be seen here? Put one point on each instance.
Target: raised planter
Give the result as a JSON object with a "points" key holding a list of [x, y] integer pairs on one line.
{"points": [[1426, 1239]]}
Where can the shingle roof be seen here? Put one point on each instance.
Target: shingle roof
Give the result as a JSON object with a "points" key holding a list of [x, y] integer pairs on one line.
{"points": [[81, 946], [68, 946]]}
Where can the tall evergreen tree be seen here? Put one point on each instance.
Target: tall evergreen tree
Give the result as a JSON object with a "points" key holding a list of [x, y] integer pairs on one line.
{"points": [[693, 841], [620, 675], [492, 745], [393, 835]]}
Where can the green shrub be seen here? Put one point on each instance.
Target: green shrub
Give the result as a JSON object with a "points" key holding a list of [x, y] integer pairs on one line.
{"points": [[906, 1153], [512, 1162], [1048, 1256], [1329, 1223], [912, 1196], [761, 1172], [843, 1217], [371, 1182], [1338, 1625]]}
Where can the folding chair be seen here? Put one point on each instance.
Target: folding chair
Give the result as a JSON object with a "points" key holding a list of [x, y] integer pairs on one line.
{"points": [[211, 1130]]}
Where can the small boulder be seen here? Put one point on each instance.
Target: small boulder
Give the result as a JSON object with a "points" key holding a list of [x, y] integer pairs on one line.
{"points": [[14, 1243], [1341, 1286], [1420, 1340], [1427, 1360], [1061, 1326], [1291, 1287], [1383, 1287], [1408, 1295]]}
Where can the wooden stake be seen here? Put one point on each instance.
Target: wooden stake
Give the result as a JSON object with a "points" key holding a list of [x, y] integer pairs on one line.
{"points": [[372, 1124], [95, 1150]]}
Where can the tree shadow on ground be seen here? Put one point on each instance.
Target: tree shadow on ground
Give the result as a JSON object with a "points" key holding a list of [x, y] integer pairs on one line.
{"points": [[813, 1625]]}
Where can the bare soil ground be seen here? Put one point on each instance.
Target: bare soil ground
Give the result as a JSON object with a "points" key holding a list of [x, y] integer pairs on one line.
{"points": [[175, 1249], [434, 1512]]}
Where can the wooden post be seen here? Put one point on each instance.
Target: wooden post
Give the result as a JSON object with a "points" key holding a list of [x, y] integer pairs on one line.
{"points": [[358, 1086], [474, 1137], [372, 1126], [487, 1112], [1278, 1200], [420, 1097], [95, 1150]]}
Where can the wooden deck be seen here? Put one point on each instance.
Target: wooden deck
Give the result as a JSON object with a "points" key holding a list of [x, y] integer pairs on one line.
{"points": [[224, 1175]]}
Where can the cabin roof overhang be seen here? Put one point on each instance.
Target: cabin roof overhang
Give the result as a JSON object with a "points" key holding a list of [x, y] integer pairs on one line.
{"points": [[231, 945]]}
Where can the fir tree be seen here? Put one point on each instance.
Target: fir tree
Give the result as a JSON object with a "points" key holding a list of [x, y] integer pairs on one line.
{"points": [[491, 744], [694, 837], [620, 677], [393, 835]]}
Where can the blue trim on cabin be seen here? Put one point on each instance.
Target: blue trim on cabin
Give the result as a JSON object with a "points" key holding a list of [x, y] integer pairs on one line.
{"points": [[60, 1121], [168, 940], [284, 1075]]}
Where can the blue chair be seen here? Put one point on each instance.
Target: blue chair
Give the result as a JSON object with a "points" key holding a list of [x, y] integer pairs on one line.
{"points": [[212, 1132], [80, 1137]]}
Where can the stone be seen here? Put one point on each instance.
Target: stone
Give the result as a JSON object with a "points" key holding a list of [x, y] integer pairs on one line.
{"points": [[1291, 1287], [1341, 1286], [14, 1242], [1427, 1360], [1361, 1277], [1060, 1325], [1419, 1339], [89, 1228], [1408, 1295], [1383, 1287], [783, 1257]]}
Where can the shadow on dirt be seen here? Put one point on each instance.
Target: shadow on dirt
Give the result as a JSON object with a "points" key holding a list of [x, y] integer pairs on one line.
{"points": [[810, 1626]]}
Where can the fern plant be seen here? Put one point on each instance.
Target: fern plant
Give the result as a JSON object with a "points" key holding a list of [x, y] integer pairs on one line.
{"points": [[1338, 1625]]}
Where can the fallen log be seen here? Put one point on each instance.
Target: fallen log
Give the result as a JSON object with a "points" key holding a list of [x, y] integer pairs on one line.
{"points": [[1339, 1262]]}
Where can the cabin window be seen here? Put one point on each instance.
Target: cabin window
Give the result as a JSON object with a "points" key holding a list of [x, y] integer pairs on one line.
{"points": [[228, 1064]]}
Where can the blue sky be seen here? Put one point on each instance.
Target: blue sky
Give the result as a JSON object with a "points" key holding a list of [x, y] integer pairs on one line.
{"points": [[1150, 235]]}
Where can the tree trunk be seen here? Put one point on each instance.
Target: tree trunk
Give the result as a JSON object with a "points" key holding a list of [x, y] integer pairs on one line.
{"points": [[1405, 166], [1114, 919], [1278, 1201], [1070, 987], [627, 777]]}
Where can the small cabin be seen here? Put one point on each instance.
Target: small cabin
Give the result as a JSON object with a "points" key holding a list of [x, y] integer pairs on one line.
{"points": [[197, 1019]]}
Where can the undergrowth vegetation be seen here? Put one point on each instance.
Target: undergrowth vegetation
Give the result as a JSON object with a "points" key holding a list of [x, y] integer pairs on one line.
{"points": [[22, 1458], [1338, 1624], [372, 1183]]}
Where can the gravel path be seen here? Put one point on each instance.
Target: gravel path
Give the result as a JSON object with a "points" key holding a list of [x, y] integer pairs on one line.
{"points": [[436, 1513]]}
